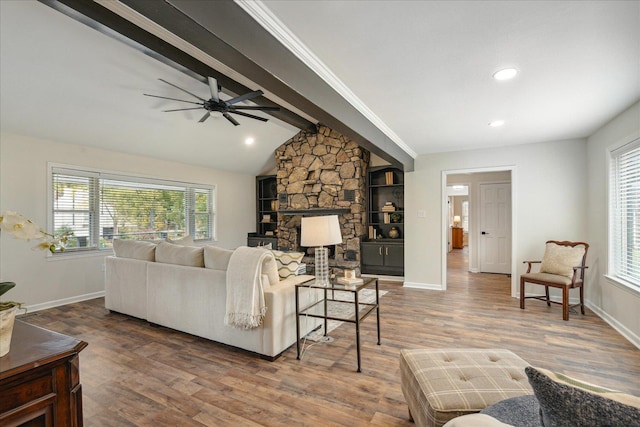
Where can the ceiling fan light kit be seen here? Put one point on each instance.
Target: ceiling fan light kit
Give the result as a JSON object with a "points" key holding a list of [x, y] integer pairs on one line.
{"points": [[215, 104]]}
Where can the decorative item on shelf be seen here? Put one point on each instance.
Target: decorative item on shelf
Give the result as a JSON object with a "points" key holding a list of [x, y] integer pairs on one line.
{"points": [[394, 233], [388, 177], [456, 220], [320, 231], [371, 232], [22, 228], [268, 233], [388, 207], [274, 205], [386, 218], [266, 218], [395, 217]]}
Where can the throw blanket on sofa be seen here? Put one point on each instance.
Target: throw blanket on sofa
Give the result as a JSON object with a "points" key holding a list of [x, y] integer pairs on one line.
{"points": [[245, 297]]}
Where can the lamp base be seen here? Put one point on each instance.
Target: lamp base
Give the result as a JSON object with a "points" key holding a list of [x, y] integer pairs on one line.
{"points": [[322, 266]]}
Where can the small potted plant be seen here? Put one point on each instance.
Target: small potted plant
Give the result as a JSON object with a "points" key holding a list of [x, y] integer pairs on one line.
{"points": [[22, 228], [7, 316]]}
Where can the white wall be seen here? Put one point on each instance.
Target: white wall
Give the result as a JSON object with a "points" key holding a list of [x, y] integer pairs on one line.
{"points": [[615, 303], [549, 202], [42, 280]]}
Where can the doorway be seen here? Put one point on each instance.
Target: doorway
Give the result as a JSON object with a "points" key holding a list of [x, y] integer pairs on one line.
{"points": [[489, 209]]}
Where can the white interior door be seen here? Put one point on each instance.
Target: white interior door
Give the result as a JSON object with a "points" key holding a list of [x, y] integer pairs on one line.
{"points": [[495, 228]]}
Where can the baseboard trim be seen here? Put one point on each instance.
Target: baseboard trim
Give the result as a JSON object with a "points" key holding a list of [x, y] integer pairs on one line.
{"points": [[623, 330], [428, 286], [65, 301]]}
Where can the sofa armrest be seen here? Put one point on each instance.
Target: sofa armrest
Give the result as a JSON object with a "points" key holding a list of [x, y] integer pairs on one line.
{"points": [[280, 322]]}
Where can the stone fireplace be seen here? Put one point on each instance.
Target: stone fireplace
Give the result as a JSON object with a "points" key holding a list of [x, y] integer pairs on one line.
{"points": [[322, 173]]}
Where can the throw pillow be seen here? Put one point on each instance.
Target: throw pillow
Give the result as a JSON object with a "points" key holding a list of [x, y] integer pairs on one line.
{"points": [[170, 253], [561, 259], [135, 249], [288, 262], [186, 240], [565, 401], [216, 258]]}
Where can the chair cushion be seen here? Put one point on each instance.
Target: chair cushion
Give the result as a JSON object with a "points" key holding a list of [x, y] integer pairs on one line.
{"points": [[548, 278], [560, 259], [565, 401]]}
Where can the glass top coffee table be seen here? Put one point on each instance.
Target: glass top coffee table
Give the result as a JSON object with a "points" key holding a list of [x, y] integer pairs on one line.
{"points": [[333, 301]]}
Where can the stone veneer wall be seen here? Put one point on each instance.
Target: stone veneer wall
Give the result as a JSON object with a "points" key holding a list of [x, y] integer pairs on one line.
{"points": [[314, 170]]}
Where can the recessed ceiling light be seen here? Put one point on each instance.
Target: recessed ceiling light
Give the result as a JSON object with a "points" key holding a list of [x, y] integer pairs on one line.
{"points": [[496, 123], [506, 74], [249, 141]]}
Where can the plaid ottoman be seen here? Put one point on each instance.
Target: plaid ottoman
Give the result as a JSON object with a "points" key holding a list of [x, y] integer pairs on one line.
{"points": [[440, 385]]}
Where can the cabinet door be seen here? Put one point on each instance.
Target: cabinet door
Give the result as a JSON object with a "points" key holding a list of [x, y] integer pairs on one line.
{"points": [[394, 255], [372, 254]]}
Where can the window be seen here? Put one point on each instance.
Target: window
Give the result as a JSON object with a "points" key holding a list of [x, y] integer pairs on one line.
{"points": [[99, 207], [624, 214]]}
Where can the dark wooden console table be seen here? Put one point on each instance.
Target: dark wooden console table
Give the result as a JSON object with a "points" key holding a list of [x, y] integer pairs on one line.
{"points": [[40, 379]]}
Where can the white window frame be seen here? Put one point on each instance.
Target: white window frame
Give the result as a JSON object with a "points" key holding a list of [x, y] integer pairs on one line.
{"points": [[613, 272], [191, 189]]}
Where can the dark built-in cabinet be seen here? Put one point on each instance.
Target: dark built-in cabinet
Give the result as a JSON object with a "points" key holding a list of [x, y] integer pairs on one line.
{"points": [[383, 251], [266, 213]]}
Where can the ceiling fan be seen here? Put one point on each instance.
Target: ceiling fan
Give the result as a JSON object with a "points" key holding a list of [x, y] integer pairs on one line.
{"points": [[215, 104]]}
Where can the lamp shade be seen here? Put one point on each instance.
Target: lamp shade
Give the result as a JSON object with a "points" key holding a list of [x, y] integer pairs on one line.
{"points": [[320, 231], [456, 219]]}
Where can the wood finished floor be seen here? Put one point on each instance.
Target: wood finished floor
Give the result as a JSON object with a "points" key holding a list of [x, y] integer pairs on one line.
{"points": [[136, 374]]}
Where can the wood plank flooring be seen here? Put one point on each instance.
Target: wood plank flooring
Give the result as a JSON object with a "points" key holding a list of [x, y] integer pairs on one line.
{"points": [[134, 374]]}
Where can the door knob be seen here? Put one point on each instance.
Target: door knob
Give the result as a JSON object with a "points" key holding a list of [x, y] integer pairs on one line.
{"points": [[484, 232]]}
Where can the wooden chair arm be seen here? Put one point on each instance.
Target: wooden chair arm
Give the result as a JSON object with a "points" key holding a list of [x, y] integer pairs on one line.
{"points": [[530, 263]]}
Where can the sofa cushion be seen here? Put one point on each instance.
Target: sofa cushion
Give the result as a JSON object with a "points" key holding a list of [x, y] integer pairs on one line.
{"points": [[560, 260], [185, 241], [170, 253], [135, 249], [216, 258], [523, 411], [565, 401], [288, 262]]}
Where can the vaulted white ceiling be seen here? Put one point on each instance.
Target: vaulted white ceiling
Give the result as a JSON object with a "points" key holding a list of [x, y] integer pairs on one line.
{"points": [[420, 68], [425, 67]]}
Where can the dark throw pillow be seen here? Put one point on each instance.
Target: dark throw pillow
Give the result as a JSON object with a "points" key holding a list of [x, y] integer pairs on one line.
{"points": [[565, 401]]}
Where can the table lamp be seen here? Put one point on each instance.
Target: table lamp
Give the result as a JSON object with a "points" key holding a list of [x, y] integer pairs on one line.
{"points": [[318, 232], [456, 220]]}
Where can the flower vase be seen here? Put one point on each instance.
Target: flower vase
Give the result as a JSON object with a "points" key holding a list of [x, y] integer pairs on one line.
{"points": [[7, 318]]}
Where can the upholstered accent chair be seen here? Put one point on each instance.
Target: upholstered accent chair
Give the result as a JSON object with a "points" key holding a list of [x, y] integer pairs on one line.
{"points": [[563, 266]]}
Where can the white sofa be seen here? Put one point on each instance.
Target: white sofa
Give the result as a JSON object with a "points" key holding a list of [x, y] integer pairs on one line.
{"points": [[184, 288]]}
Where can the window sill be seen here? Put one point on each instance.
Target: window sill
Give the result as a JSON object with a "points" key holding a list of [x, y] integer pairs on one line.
{"points": [[623, 284], [63, 256]]}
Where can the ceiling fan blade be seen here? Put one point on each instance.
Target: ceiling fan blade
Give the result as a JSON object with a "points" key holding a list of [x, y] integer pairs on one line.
{"points": [[173, 99], [244, 97], [185, 91], [182, 109], [242, 107], [231, 119], [213, 86], [240, 113], [205, 117]]}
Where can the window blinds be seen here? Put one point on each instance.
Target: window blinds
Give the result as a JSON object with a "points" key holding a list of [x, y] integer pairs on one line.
{"points": [[625, 213]]}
